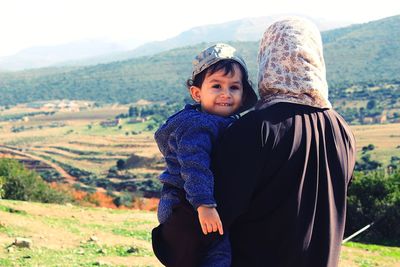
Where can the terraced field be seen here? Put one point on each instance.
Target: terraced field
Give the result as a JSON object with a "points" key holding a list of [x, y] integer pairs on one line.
{"points": [[77, 147], [82, 150]]}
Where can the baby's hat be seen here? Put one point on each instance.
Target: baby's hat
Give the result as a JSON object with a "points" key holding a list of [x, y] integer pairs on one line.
{"points": [[213, 54]]}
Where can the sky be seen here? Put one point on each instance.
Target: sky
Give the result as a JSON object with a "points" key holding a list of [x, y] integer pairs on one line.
{"points": [[27, 23]]}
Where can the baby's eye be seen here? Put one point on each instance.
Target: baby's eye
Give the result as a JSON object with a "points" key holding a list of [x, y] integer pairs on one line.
{"points": [[216, 86], [235, 88]]}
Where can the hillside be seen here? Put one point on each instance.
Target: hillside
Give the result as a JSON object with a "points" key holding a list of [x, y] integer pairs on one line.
{"points": [[247, 29], [364, 55], [42, 56], [79, 236], [95, 51]]}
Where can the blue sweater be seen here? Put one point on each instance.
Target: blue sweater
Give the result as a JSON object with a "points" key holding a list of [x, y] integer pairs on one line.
{"points": [[186, 140]]}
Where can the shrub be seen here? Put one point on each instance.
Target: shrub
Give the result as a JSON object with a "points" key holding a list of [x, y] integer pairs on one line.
{"points": [[100, 199], [22, 184], [375, 197], [125, 199], [370, 147]]}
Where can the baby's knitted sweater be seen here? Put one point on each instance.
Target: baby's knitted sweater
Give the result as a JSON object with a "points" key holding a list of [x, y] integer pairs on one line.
{"points": [[186, 140]]}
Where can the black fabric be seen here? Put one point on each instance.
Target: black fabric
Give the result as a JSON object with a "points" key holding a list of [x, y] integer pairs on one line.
{"points": [[281, 177], [179, 242]]}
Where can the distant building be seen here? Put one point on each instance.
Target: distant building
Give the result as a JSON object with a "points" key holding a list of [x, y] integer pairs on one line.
{"points": [[368, 120], [376, 119], [62, 105], [383, 118], [111, 123], [49, 106], [137, 120]]}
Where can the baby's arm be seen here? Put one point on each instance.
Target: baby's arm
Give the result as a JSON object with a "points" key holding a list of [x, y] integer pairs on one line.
{"points": [[194, 149]]}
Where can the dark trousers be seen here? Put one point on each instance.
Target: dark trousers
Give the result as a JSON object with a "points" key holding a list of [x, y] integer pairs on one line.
{"points": [[179, 242]]}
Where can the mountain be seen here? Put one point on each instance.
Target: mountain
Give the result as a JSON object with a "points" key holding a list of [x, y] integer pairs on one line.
{"points": [[248, 29], [68, 54], [364, 55], [93, 52]]}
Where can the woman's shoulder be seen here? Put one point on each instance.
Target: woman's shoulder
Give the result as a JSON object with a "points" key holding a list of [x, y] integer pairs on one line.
{"points": [[248, 119]]}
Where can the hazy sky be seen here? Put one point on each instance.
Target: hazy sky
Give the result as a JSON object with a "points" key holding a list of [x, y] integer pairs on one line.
{"points": [[25, 23]]}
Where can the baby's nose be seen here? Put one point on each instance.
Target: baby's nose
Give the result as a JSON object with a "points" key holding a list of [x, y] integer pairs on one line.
{"points": [[226, 92], [226, 95]]}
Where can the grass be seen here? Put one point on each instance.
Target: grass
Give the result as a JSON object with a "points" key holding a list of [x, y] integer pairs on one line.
{"points": [[88, 254], [369, 255], [384, 251], [67, 235]]}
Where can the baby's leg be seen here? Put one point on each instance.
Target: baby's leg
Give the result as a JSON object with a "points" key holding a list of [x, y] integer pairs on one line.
{"points": [[179, 242], [219, 253]]}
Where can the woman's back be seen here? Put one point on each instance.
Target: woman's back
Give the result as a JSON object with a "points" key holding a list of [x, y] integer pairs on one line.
{"points": [[290, 179]]}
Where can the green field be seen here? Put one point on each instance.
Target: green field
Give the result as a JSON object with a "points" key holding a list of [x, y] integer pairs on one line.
{"points": [[385, 137], [67, 235]]}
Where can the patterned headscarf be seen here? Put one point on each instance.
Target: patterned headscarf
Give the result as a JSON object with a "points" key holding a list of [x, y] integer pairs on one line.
{"points": [[291, 65]]}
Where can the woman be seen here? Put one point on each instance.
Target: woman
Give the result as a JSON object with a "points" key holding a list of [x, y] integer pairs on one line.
{"points": [[282, 171]]}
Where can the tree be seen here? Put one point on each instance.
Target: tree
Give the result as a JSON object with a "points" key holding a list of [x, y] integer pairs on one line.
{"points": [[132, 111], [121, 164], [371, 104], [137, 111], [366, 164], [375, 197], [370, 147], [394, 162], [2, 182]]}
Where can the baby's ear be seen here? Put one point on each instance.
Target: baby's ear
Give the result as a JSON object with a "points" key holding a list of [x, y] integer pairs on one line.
{"points": [[195, 93]]}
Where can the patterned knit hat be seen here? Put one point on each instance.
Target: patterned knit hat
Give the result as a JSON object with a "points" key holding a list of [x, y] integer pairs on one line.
{"points": [[291, 65], [213, 54], [216, 53]]}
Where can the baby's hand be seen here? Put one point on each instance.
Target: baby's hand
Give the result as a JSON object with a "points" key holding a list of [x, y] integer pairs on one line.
{"points": [[209, 220]]}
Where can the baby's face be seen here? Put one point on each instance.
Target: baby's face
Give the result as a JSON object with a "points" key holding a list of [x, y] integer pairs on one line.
{"points": [[220, 94]]}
